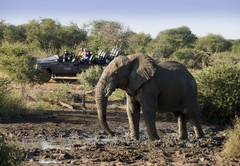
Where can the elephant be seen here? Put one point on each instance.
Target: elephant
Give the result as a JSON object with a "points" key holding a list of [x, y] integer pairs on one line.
{"points": [[150, 87]]}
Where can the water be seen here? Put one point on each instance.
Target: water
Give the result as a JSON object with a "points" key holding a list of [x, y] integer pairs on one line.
{"points": [[62, 143], [49, 162]]}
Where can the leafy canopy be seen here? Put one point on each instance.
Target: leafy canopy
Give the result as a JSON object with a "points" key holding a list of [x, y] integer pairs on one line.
{"points": [[168, 41], [213, 43], [17, 64]]}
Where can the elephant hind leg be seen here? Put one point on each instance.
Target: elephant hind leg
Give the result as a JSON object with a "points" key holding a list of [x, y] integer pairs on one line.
{"points": [[194, 119], [182, 126]]}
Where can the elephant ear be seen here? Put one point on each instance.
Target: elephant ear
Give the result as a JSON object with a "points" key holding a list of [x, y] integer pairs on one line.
{"points": [[142, 69]]}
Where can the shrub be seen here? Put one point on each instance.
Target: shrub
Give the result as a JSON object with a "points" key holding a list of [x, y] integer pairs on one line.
{"points": [[231, 147], [10, 154], [19, 65], [118, 94], [219, 92], [190, 57], [90, 77], [236, 46], [224, 58]]}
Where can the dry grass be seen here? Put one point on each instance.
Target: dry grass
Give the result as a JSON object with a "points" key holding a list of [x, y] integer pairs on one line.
{"points": [[231, 147]]}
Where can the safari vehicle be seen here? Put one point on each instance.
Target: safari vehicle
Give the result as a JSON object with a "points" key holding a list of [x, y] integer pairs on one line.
{"points": [[57, 67]]}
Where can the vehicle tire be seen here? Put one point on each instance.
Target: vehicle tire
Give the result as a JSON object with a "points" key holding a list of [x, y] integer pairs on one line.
{"points": [[47, 76]]}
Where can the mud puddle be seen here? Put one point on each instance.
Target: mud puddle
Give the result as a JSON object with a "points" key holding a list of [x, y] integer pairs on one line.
{"points": [[62, 143]]}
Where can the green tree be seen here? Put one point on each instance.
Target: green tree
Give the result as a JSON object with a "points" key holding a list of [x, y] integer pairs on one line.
{"points": [[107, 35], [71, 36], [2, 25], [236, 46], [14, 33], [115, 33], [138, 42], [94, 40], [44, 34], [170, 40], [213, 43], [19, 65], [51, 36]]}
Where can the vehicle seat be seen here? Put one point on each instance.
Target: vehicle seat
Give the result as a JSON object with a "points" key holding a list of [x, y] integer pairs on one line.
{"points": [[91, 59]]}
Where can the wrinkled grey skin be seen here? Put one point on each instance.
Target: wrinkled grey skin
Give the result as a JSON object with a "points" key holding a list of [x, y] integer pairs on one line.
{"points": [[166, 87]]}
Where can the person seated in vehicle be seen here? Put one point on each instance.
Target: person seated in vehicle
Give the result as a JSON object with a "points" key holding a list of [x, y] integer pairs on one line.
{"points": [[81, 53], [66, 56], [86, 56]]}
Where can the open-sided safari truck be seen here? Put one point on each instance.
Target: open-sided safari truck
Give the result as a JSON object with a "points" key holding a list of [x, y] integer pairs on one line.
{"points": [[57, 67]]}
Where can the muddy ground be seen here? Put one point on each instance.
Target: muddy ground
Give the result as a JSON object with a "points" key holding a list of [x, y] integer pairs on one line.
{"points": [[74, 137]]}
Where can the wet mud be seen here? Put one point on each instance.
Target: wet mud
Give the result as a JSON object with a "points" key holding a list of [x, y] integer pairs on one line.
{"points": [[74, 137]]}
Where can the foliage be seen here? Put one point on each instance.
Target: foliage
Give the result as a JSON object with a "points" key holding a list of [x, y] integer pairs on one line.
{"points": [[231, 147], [14, 33], [190, 57], [137, 43], [11, 154], [94, 40], [118, 94], [56, 95], [213, 43], [106, 35], [11, 104], [2, 26], [219, 92], [45, 34], [236, 46], [224, 58], [168, 41], [49, 36], [19, 65], [90, 77], [115, 33]]}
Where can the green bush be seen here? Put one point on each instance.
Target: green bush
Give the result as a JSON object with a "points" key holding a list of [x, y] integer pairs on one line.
{"points": [[231, 147], [224, 58], [17, 63], [236, 46], [190, 57], [118, 94], [90, 77], [10, 152], [219, 92]]}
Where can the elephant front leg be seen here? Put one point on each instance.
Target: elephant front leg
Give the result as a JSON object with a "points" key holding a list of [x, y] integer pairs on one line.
{"points": [[151, 125], [133, 112]]}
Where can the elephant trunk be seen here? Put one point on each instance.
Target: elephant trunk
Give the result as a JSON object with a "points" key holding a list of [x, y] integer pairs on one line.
{"points": [[101, 103]]}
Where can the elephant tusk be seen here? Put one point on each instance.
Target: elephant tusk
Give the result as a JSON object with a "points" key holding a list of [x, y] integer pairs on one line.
{"points": [[109, 92], [146, 75]]}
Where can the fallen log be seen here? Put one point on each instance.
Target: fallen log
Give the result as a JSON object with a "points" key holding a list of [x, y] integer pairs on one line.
{"points": [[66, 105]]}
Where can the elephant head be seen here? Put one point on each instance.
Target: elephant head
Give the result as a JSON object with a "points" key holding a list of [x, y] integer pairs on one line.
{"points": [[124, 72]]}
